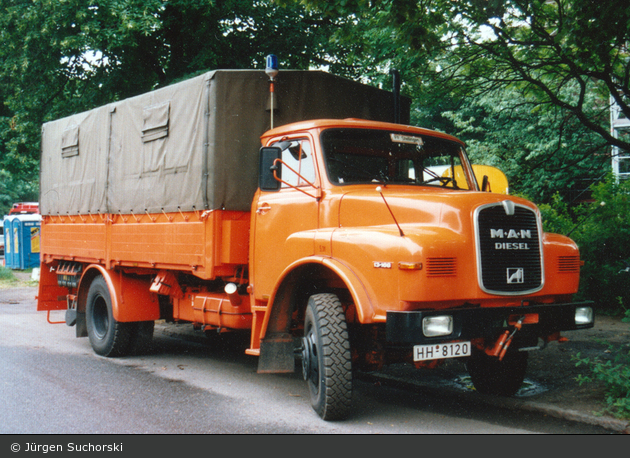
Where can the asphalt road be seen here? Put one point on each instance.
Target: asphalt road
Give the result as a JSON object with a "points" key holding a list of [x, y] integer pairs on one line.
{"points": [[52, 383]]}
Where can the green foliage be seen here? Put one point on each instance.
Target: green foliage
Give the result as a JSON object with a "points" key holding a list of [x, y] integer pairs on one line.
{"points": [[524, 82], [458, 58], [614, 373], [602, 233], [542, 149], [14, 190], [520, 80], [60, 57], [8, 279], [556, 216], [6, 274]]}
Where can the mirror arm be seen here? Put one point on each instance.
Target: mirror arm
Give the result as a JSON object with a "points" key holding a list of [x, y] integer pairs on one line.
{"points": [[485, 186], [274, 168]]}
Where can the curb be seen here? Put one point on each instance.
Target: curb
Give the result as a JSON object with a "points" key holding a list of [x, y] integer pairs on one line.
{"points": [[608, 423]]}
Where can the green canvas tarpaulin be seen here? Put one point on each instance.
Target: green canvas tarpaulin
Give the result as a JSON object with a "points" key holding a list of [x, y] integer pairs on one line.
{"points": [[189, 146]]}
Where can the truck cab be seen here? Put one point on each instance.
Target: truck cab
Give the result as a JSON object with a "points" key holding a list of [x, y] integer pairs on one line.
{"points": [[374, 242]]}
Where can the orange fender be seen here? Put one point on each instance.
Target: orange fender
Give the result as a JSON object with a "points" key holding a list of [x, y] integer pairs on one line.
{"points": [[131, 297]]}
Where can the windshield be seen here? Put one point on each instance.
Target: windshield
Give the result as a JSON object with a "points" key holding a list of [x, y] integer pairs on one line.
{"points": [[377, 156]]}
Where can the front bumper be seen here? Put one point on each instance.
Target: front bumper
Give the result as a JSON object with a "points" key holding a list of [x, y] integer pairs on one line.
{"points": [[484, 322]]}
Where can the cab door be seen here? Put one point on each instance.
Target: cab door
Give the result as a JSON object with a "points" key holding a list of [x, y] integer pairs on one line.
{"points": [[282, 217]]}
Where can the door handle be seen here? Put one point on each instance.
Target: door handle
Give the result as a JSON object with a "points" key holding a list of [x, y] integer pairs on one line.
{"points": [[263, 208]]}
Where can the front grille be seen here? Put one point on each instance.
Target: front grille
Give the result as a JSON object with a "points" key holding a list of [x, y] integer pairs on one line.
{"points": [[508, 249]]}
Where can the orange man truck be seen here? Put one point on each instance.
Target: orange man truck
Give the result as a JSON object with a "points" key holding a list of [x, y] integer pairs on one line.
{"points": [[346, 242]]}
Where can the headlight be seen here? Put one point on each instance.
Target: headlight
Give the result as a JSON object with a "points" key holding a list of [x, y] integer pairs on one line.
{"points": [[433, 326], [583, 315]]}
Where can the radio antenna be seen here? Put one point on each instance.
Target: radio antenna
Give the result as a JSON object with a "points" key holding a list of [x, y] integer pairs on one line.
{"points": [[380, 191]]}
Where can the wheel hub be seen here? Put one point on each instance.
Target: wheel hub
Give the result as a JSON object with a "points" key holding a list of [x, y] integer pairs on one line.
{"points": [[310, 367], [101, 318]]}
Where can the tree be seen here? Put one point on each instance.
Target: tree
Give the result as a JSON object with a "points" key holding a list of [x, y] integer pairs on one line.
{"points": [[543, 150], [542, 47], [65, 56], [14, 190], [554, 55], [52, 63]]}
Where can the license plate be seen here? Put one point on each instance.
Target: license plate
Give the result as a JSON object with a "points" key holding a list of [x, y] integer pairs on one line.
{"points": [[439, 351]]}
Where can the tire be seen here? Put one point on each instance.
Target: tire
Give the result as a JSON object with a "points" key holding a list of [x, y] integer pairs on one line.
{"points": [[494, 377], [141, 337], [107, 336], [326, 357]]}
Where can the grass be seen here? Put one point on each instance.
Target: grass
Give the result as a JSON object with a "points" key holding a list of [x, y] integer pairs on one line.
{"points": [[9, 280]]}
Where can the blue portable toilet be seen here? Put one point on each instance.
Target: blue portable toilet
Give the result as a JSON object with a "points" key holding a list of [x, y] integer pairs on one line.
{"points": [[8, 241], [25, 241]]}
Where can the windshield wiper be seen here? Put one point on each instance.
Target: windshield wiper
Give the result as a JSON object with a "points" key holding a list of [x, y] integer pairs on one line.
{"points": [[382, 179], [442, 179]]}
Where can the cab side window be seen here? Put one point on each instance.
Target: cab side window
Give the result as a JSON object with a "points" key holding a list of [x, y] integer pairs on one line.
{"points": [[298, 156]]}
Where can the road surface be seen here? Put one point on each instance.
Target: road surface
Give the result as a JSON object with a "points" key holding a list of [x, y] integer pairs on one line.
{"points": [[52, 383]]}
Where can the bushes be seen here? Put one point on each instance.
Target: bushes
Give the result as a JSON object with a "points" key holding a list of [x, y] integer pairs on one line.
{"points": [[603, 236], [614, 373]]}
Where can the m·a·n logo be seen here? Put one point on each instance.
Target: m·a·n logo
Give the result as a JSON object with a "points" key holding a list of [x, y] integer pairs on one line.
{"points": [[515, 275]]}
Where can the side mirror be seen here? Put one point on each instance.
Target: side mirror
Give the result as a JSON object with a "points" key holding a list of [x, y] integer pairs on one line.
{"points": [[494, 180], [266, 179]]}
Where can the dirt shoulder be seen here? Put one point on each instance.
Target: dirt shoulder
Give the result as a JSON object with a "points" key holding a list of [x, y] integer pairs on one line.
{"points": [[555, 367]]}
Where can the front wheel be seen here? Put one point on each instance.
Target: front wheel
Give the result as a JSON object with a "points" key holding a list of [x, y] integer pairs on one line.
{"points": [[326, 357], [502, 378]]}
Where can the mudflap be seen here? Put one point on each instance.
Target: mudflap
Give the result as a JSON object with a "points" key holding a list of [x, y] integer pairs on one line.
{"points": [[277, 354], [74, 318], [81, 326]]}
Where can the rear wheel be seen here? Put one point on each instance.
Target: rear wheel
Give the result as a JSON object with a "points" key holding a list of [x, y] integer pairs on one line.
{"points": [[142, 337], [326, 357], [502, 378], [108, 337]]}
